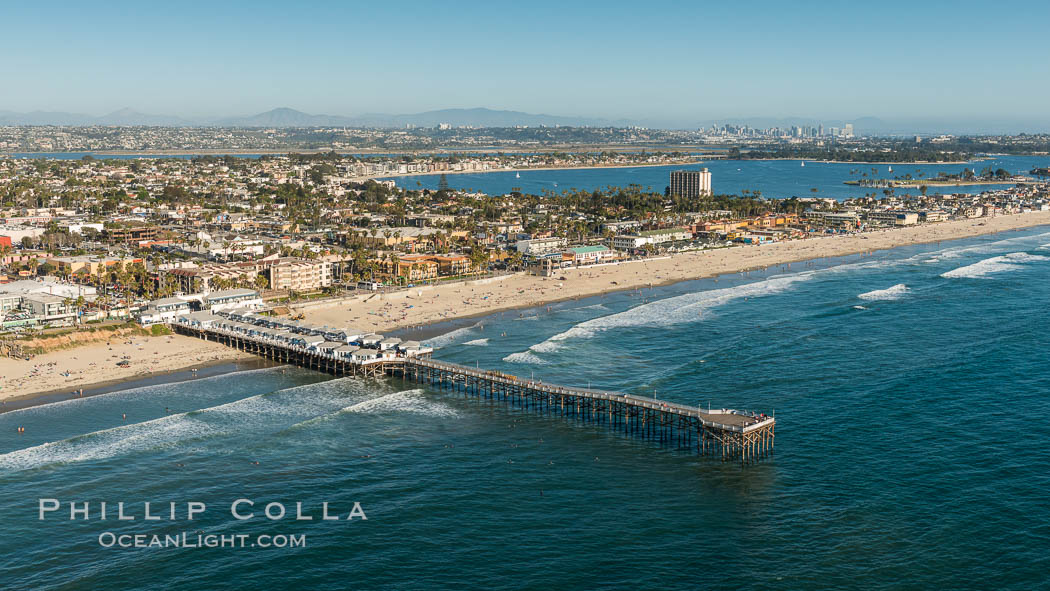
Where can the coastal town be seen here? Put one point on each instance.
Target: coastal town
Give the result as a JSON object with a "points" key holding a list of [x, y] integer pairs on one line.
{"points": [[99, 246], [88, 241]]}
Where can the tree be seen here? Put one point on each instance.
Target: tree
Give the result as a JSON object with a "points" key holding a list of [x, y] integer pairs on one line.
{"points": [[479, 257]]}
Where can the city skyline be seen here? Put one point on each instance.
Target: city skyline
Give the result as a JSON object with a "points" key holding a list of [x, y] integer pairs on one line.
{"points": [[670, 66]]}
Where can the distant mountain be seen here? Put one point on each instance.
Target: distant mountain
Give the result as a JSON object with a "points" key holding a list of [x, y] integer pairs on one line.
{"points": [[477, 117], [283, 117], [45, 118], [124, 116], [128, 116]]}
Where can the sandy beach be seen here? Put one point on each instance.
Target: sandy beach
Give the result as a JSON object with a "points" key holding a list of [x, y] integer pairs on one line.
{"points": [[96, 363], [429, 304]]}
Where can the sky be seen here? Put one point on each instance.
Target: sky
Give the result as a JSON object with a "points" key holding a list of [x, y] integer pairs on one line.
{"points": [[653, 60]]}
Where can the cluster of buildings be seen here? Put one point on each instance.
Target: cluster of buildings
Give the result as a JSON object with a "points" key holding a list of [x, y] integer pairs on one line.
{"points": [[341, 344], [156, 239]]}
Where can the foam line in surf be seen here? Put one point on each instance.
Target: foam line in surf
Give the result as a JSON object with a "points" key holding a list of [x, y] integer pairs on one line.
{"points": [[524, 357], [451, 337], [671, 311], [890, 293], [999, 264], [252, 412], [150, 389]]}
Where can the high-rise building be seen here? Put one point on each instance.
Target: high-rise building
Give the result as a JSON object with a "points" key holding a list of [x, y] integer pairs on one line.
{"points": [[690, 183], [848, 132]]}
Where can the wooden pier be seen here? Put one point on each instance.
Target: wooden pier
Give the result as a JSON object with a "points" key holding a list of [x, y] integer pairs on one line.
{"points": [[723, 434]]}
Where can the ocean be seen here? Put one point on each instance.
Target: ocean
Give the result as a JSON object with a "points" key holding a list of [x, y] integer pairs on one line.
{"points": [[910, 388], [773, 178]]}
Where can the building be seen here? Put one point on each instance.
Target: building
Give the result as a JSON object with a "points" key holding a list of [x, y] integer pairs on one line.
{"points": [[280, 273], [893, 217], [587, 255], [130, 235], [828, 219], [232, 298], [691, 183], [88, 265], [49, 308], [540, 246], [164, 310], [639, 240], [49, 286], [300, 274], [408, 267]]}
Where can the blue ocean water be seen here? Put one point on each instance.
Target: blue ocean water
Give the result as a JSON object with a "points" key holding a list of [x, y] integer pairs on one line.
{"points": [[910, 387], [774, 178]]}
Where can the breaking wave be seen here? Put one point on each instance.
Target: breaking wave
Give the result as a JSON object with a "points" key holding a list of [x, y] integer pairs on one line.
{"points": [[999, 264], [524, 357], [477, 343], [984, 248], [890, 293], [671, 311], [262, 411], [410, 401], [451, 337]]}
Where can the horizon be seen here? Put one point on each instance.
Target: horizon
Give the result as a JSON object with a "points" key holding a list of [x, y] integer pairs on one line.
{"points": [[708, 63]]}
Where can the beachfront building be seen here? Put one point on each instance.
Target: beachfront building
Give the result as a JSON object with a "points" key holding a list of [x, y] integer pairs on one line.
{"points": [[229, 299], [408, 267], [280, 273], [691, 183], [892, 217], [587, 255], [828, 219], [164, 310], [48, 285], [540, 246], [654, 237], [50, 308]]}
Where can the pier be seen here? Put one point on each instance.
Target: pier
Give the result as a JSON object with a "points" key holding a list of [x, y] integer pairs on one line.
{"points": [[724, 434]]}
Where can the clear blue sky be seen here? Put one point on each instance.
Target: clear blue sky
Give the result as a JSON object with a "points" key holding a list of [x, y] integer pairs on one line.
{"points": [[669, 60]]}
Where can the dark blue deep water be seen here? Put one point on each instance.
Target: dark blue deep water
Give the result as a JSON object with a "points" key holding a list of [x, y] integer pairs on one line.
{"points": [[911, 389]]}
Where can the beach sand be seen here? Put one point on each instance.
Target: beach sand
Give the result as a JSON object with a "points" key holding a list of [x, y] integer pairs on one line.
{"points": [[96, 363], [429, 304]]}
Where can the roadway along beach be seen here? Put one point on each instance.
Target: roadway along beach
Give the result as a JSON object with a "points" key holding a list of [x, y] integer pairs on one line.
{"points": [[93, 364]]}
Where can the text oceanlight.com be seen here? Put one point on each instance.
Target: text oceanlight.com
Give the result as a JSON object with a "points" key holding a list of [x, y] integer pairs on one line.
{"points": [[198, 540]]}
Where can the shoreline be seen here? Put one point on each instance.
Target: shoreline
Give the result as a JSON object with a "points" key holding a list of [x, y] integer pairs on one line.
{"points": [[420, 307], [529, 169], [902, 163], [171, 376], [415, 310]]}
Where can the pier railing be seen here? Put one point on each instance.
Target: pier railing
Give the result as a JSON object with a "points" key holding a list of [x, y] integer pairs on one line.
{"points": [[725, 433]]}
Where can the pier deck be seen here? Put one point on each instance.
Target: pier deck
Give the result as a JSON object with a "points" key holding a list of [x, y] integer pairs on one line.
{"points": [[721, 433]]}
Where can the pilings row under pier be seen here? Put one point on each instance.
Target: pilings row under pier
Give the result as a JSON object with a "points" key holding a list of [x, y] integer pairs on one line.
{"points": [[721, 434]]}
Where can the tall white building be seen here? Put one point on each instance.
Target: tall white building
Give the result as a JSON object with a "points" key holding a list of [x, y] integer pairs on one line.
{"points": [[690, 183]]}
